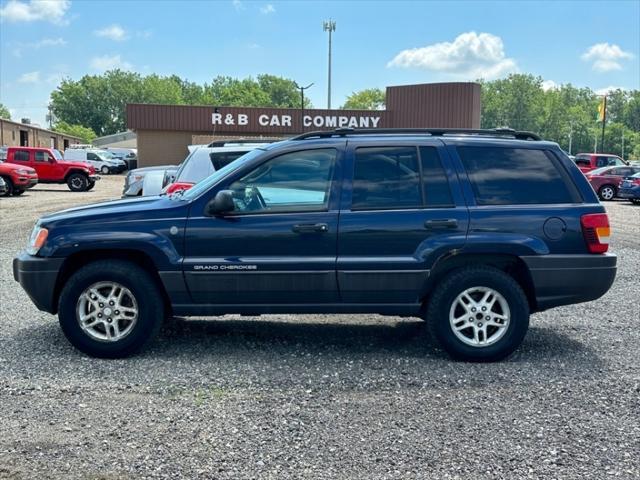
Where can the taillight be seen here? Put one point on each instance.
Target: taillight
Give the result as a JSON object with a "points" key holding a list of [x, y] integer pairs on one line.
{"points": [[636, 181], [596, 231]]}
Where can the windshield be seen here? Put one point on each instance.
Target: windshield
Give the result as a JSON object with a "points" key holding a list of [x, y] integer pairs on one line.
{"points": [[212, 179], [56, 154]]}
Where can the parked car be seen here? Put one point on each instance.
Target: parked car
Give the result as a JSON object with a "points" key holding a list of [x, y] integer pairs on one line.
{"points": [[346, 221], [590, 161], [128, 155], [52, 168], [17, 178], [630, 188], [135, 185], [202, 162], [605, 180], [3, 187], [101, 160]]}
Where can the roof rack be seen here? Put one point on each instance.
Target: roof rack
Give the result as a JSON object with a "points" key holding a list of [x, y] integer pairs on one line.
{"points": [[434, 132], [222, 143]]}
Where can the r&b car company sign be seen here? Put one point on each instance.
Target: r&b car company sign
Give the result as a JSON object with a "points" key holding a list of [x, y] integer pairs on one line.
{"points": [[242, 119]]}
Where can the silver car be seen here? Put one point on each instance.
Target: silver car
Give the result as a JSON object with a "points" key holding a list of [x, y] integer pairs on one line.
{"points": [[147, 180]]}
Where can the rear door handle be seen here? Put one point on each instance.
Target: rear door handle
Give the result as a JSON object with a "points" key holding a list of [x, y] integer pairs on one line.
{"points": [[441, 223], [310, 228]]}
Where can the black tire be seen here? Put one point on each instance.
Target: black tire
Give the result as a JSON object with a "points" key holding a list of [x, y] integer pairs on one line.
{"points": [[635, 201], [17, 193], [9, 183], [91, 185], [104, 170], [444, 296], [607, 192], [78, 182], [147, 295]]}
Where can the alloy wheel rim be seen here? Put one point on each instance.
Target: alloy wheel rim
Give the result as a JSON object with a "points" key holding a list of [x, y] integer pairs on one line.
{"points": [[479, 316], [107, 311], [607, 193]]}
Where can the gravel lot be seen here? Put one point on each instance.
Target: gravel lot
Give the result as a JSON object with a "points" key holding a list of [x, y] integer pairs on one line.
{"points": [[319, 396]]}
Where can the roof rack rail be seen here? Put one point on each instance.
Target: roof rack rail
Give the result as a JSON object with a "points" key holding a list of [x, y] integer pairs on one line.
{"points": [[434, 132], [222, 143]]}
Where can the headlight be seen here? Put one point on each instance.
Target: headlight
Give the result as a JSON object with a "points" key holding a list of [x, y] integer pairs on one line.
{"points": [[23, 171], [37, 239], [137, 178]]}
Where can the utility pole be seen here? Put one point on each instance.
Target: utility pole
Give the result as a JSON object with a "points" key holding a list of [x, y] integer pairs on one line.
{"points": [[302, 89], [570, 135], [329, 26]]}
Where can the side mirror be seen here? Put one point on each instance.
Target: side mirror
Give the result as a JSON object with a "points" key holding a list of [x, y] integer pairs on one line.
{"points": [[221, 203]]}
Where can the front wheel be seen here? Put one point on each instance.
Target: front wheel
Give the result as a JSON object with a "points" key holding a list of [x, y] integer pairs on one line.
{"points": [[91, 185], [478, 314], [77, 182], [104, 170], [17, 192], [110, 309], [9, 183], [607, 192]]}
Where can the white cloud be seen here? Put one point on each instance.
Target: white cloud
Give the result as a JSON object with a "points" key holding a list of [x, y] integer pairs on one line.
{"points": [[49, 10], [114, 32], [238, 5], [549, 85], [470, 56], [49, 42], [31, 77], [267, 9], [605, 57], [607, 90], [254, 46], [109, 62]]}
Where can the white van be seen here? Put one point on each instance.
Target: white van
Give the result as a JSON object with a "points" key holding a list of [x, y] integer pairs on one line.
{"points": [[101, 160]]}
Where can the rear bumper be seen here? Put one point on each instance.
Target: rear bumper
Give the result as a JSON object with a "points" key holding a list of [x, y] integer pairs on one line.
{"points": [[629, 192], [567, 279], [38, 276]]}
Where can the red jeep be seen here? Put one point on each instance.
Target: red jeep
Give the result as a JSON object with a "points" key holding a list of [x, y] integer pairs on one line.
{"points": [[17, 178], [52, 168], [590, 161]]}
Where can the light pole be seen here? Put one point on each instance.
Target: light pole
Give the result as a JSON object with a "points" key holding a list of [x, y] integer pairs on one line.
{"points": [[302, 89], [329, 26]]}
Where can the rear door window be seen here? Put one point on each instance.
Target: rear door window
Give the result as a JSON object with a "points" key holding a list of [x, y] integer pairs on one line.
{"points": [[386, 178], [21, 155], [222, 159], [516, 176]]}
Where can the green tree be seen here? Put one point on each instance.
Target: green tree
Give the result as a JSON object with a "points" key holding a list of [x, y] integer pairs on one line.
{"points": [[631, 114], [368, 99], [86, 134], [4, 112], [282, 92]]}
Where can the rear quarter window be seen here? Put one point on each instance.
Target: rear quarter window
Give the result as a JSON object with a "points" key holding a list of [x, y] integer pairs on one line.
{"points": [[21, 155], [516, 176]]}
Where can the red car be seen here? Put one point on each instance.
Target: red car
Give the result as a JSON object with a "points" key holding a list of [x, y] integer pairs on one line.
{"points": [[52, 168], [605, 180], [17, 178], [590, 161]]}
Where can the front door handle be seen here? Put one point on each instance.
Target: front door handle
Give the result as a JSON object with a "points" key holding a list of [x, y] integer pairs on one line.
{"points": [[310, 228], [441, 223]]}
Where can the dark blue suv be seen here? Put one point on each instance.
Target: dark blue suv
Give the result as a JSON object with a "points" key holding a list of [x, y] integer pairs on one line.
{"points": [[472, 230]]}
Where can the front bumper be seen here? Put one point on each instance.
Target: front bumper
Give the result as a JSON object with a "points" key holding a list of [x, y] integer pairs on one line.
{"points": [[24, 183], [94, 178], [568, 279], [38, 276]]}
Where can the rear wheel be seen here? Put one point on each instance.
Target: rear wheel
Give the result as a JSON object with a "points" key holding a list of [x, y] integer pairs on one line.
{"points": [[110, 309], [77, 182], [607, 192], [636, 201], [9, 183], [104, 170], [478, 314]]}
